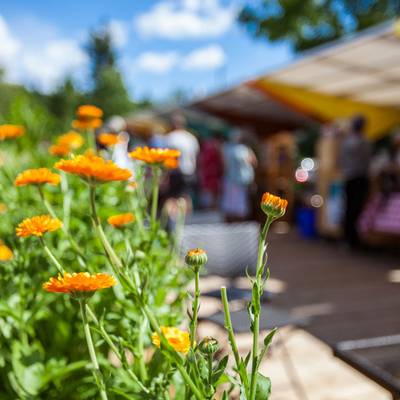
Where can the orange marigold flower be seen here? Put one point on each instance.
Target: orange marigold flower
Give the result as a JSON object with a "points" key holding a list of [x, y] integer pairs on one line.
{"points": [[38, 226], [9, 131], [88, 111], [93, 168], [72, 139], [155, 155], [59, 150], [37, 176], [79, 282], [171, 163], [273, 206], [178, 339], [108, 139], [121, 219], [92, 123], [6, 253]]}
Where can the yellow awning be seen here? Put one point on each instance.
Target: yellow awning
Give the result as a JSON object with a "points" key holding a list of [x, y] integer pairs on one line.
{"points": [[380, 119]]}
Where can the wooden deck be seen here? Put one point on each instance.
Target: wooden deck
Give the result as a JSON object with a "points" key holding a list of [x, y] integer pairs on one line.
{"points": [[347, 295]]}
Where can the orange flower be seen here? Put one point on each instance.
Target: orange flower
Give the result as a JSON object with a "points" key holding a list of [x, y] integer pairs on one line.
{"points": [[121, 219], [88, 111], [171, 163], [38, 226], [37, 176], [178, 339], [273, 206], [167, 157], [59, 150], [93, 168], [6, 253], [9, 131], [108, 139], [71, 139], [93, 123], [79, 282]]}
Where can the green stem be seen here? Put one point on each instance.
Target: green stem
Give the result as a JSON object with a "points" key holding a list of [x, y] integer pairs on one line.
{"points": [[189, 382], [195, 308], [92, 352], [154, 200], [52, 256], [210, 370], [231, 336], [113, 347], [142, 365], [64, 228], [114, 259], [257, 291]]}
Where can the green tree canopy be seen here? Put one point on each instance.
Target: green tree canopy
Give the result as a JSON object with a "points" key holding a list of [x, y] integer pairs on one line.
{"points": [[308, 23]]}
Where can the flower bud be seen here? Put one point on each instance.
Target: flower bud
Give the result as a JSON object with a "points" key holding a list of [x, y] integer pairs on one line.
{"points": [[273, 206], [196, 258], [208, 345]]}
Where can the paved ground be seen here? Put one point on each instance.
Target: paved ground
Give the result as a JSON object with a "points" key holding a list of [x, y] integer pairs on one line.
{"points": [[346, 295]]}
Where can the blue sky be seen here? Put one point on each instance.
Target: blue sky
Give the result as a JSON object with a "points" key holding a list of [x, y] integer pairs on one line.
{"points": [[163, 45]]}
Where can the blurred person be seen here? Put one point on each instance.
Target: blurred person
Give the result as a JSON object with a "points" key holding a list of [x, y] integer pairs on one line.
{"points": [[354, 161], [184, 141], [211, 169], [239, 164]]}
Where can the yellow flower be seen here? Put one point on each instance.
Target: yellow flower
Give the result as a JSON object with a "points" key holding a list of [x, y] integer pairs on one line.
{"points": [[88, 111], [166, 157], [93, 168], [79, 282], [59, 150], [9, 131], [273, 206], [121, 219], [6, 253], [108, 139], [72, 139], [37, 176], [3, 208], [178, 339], [38, 226]]}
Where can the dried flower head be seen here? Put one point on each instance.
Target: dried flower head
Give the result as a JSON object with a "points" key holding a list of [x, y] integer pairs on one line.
{"points": [[178, 339], [196, 258], [71, 139], [165, 157], [93, 168], [38, 226], [38, 176], [59, 150], [108, 139], [9, 131], [6, 253], [79, 283], [120, 220], [273, 206]]}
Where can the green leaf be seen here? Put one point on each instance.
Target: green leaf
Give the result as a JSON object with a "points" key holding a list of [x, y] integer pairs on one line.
{"points": [[263, 389], [220, 369], [269, 337]]}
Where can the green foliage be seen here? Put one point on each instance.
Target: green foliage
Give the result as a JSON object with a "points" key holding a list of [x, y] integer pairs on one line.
{"points": [[110, 93], [309, 23]]}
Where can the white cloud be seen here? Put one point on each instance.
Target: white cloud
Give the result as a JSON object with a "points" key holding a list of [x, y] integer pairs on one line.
{"points": [[205, 58], [119, 32], [9, 45], [43, 62], [181, 19], [157, 62]]}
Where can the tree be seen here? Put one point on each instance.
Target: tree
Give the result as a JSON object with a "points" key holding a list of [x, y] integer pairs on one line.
{"points": [[309, 23], [109, 91]]}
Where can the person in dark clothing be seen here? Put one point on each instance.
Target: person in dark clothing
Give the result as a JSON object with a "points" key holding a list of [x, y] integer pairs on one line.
{"points": [[355, 154]]}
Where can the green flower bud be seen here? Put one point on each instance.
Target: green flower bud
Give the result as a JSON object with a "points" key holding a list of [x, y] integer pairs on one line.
{"points": [[196, 258], [208, 345], [273, 206]]}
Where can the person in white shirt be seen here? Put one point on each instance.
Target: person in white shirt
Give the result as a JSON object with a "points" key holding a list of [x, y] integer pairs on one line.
{"points": [[184, 141]]}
